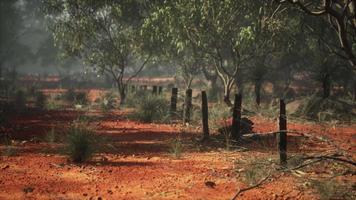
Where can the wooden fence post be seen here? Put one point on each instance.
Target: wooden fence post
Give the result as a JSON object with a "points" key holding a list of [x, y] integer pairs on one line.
{"points": [[174, 98], [154, 90], [236, 117], [145, 87], [205, 115], [188, 105], [282, 136], [160, 88]]}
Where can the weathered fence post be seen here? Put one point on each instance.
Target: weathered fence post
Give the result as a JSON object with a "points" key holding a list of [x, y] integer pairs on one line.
{"points": [[188, 105], [282, 136], [236, 117], [174, 98], [205, 115], [145, 87], [154, 90], [160, 88]]}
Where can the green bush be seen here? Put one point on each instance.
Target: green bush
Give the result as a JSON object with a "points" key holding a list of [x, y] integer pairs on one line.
{"points": [[152, 108], [81, 143]]}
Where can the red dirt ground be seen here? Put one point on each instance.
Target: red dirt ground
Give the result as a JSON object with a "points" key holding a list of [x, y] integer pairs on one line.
{"points": [[141, 167]]}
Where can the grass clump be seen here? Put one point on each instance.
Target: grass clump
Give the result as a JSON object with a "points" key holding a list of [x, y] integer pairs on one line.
{"points": [[108, 102], [81, 143], [256, 169], [51, 136], [10, 150], [152, 108], [176, 147], [332, 189]]}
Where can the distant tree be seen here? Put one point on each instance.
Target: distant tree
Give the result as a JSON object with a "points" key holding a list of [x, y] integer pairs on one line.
{"points": [[12, 28], [341, 15], [104, 34]]}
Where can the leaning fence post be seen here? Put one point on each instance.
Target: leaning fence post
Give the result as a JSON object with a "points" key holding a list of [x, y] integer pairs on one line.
{"points": [[174, 98], [188, 105], [154, 90], [205, 115], [236, 117], [282, 136], [160, 90]]}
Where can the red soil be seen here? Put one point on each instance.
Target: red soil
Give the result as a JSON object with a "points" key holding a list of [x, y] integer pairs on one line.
{"points": [[141, 167]]}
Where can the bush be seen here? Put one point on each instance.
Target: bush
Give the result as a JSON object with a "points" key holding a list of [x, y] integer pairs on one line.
{"points": [[108, 102], [41, 100], [81, 98], [326, 109], [76, 97], [152, 108], [80, 143], [69, 95]]}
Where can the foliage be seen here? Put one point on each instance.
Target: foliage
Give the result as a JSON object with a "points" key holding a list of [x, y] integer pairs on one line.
{"points": [[81, 143], [105, 35], [152, 108]]}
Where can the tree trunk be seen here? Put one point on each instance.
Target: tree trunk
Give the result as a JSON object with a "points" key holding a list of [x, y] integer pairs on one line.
{"points": [[174, 98], [326, 86], [258, 85], [236, 118], [205, 115], [227, 92], [282, 136], [188, 106]]}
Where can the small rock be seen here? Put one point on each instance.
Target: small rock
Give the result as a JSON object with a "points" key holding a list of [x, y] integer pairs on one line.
{"points": [[210, 184], [6, 167], [28, 189]]}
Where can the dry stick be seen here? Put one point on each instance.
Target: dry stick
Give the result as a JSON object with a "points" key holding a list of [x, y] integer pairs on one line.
{"points": [[252, 187]]}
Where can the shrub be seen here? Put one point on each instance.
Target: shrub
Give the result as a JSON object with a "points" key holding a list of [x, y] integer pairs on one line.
{"points": [[80, 143], [108, 102], [69, 95], [40, 100], [81, 98], [152, 109]]}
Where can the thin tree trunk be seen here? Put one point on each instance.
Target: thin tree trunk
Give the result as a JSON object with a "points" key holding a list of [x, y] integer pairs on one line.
{"points": [[326, 86], [258, 85]]}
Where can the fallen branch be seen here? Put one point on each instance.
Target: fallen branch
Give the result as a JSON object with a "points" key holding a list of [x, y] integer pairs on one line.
{"points": [[252, 187]]}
